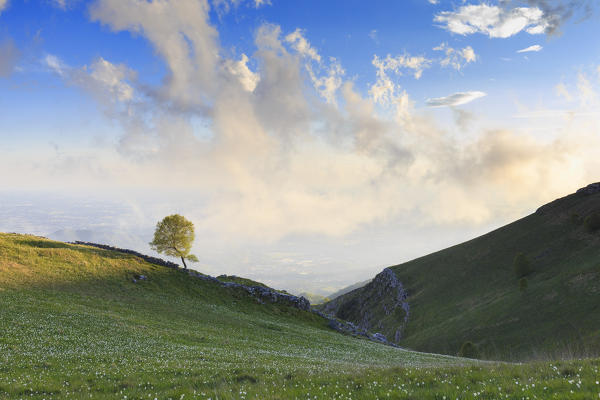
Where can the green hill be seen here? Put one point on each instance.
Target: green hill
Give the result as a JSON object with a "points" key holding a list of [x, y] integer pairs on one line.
{"points": [[74, 324], [472, 292]]}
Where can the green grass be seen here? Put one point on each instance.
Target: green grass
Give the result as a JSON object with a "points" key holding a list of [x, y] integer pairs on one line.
{"points": [[74, 325], [470, 292]]}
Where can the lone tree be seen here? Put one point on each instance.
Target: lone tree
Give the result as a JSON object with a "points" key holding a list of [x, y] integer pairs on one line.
{"points": [[522, 265], [173, 237]]}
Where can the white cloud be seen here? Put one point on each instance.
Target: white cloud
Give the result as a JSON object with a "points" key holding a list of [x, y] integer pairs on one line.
{"points": [[302, 46], [224, 6], [112, 78], [456, 58], [535, 47], [3, 5], [433, 1], [260, 3], [384, 90], [108, 82], [55, 64], [181, 34], [455, 99], [329, 83], [240, 69], [494, 21]]}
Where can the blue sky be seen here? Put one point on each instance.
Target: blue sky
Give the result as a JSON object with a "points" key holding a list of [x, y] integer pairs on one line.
{"points": [[382, 129]]}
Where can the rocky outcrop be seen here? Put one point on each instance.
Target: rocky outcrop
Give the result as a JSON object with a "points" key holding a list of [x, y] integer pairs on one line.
{"points": [[382, 305], [263, 294]]}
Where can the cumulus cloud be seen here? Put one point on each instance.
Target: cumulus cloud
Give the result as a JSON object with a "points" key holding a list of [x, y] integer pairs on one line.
{"points": [[534, 48], [557, 12], [181, 34], [494, 21], [9, 56], [455, 99], [456, 58], [3, 5], [240, 69]]}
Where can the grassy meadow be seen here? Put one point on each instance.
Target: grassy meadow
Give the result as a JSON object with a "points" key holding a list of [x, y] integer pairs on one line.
{"points": [[74, 325]]}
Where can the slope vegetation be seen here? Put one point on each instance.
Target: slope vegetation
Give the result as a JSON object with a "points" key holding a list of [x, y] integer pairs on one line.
{"points": [[473, 292], [74, 324]]}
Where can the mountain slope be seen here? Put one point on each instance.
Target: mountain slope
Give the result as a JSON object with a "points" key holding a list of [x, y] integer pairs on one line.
{"points": [[74, 324], [348, 289], [470, 292]]}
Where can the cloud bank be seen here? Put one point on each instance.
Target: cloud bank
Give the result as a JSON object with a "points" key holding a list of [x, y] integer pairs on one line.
{"points": [[292, 146]]}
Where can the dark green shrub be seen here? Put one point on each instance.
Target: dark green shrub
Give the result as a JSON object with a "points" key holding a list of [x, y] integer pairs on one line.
{"points": [[522, 265], [592, 222], [468, 350], [523, 284]]}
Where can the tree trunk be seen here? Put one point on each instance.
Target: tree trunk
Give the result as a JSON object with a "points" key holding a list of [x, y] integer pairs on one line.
{"points": [[184, 264]]}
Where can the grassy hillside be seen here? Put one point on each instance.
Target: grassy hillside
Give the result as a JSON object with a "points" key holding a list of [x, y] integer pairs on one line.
{"points": [[470, 292], [74, 325], [73, 314]]}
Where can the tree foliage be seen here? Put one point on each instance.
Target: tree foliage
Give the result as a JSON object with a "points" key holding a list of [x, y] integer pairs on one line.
{"points": [[173, 237], [522, 265], [468, 350]]}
